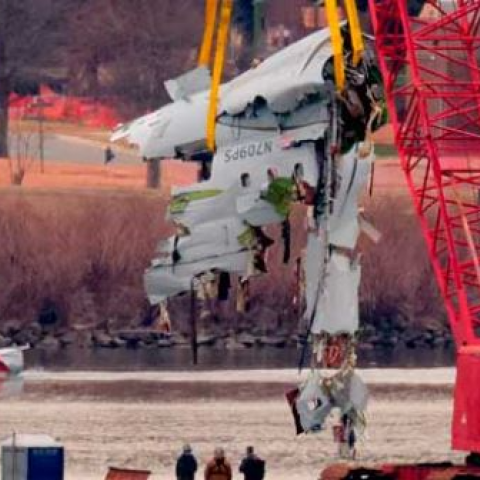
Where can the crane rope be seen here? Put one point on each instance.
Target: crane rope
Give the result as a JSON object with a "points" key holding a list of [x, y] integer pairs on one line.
{"points": [[205, 56], [218, 65]]}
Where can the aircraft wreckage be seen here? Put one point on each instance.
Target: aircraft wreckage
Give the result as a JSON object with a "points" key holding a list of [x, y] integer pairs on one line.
{"points": [[284, 135]]}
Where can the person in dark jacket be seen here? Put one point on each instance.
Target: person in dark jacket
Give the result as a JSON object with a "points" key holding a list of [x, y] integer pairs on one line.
{"points": [[252, 466], [186, 464]]}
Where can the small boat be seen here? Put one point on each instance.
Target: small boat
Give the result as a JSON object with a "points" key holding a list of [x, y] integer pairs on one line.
{"points": [[12, 361]]}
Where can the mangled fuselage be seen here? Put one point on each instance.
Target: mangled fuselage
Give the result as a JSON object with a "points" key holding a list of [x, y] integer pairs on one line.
{"points": [[284, 136]]}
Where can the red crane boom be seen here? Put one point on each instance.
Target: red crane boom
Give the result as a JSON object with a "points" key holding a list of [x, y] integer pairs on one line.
{"points": [[430, 66]]}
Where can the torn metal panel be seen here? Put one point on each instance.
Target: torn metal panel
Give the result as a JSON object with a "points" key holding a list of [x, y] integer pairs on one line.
{"points": [[313, 404], [164, 281], [190, 208], [337, 303], [320, 395], [257, 212], [211, 239], [244, 203], [186, 85], [315, 266], [284, 79], [209, 246], [353, 174]]}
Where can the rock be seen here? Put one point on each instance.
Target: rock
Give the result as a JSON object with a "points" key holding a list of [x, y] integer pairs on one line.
{"points": [[27, 337], [438, 342], [246, 339], [133, 336], [118, 342], [84, 339], [49, 343], [165, 343], [102, 340], [388, 341], [400, 322], [233, 344], [5, 342], [207, 340], [273, 341], [147, 346], [180, 340], [11, 328], [68, 338]]}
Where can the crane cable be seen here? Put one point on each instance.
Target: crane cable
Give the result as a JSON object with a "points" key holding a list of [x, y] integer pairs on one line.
{"points": [[331, 9], [205, 55], [219, 58], [358, 47]]}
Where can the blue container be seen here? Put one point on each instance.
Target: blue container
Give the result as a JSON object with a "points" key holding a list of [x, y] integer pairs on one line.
{"points": [[32, 457]]}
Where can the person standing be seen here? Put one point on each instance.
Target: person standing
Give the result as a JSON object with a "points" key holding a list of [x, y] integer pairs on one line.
{"points": [[252, 466], [218, 468], [186, 464]]}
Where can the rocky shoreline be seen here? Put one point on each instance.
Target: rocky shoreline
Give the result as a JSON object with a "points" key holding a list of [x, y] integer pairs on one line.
{"points": [[371, 338]]}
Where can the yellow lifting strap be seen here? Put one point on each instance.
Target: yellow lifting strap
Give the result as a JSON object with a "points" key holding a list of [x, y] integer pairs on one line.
{"points": [[355, 30], [211, 7], [337, 42], [222, 41]]}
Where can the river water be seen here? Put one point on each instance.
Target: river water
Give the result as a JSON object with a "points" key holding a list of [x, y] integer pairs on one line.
{"points": [[178, 359], [135, 408]]}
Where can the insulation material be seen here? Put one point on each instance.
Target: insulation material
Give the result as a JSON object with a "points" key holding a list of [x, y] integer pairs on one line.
{"points": [[337, 305]]}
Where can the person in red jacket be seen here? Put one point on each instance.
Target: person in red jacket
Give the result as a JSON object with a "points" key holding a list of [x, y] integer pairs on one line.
{"points": [[218, 468]]}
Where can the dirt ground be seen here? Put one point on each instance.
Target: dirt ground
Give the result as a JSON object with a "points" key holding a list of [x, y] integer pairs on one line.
{"points": [[146, 425], [77, 176]]}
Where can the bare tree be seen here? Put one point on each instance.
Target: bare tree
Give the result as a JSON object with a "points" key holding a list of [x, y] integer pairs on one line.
{"points": [[31, 33], [24, 146], [134, 45]]}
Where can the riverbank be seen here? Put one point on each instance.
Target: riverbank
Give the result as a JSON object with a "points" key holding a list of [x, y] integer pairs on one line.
{"points": [[428, 336]]}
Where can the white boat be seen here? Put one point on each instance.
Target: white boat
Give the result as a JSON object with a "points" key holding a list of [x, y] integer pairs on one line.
{"points": [[12, 361]]}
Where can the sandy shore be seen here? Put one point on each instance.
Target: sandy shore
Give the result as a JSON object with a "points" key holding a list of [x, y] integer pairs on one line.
{"points": [[141, 420]]}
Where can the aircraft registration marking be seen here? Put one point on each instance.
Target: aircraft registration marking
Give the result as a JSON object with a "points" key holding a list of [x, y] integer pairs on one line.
{"points": [[243, 152]]}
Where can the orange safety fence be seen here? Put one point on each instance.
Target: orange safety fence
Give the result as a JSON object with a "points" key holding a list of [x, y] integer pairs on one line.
{"points": [[54, 107]]}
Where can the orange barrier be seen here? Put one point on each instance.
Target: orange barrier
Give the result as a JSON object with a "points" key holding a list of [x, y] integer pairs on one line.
{"points": [[124, 474], [60, 108]]}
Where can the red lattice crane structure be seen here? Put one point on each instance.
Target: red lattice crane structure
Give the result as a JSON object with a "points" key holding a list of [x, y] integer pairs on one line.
{"points": [[431, 70]]}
